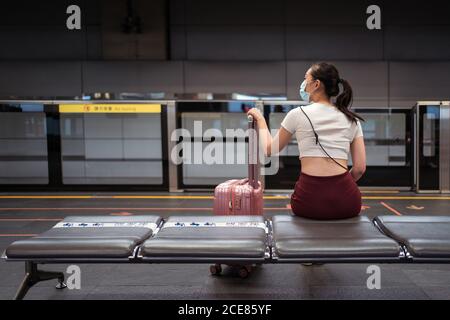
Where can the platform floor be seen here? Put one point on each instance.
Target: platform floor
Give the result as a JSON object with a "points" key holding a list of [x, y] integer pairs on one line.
{"points": [[26, 214]]}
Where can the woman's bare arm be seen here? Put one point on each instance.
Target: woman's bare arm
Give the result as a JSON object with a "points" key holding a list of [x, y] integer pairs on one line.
{"points": [[358, 151], [271, 146]]}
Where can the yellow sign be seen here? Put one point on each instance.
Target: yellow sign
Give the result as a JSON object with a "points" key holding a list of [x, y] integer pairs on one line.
{"points": [[109, 108]]}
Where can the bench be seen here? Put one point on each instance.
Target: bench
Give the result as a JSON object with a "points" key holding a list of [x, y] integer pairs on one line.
{"points": [[242, 241]]}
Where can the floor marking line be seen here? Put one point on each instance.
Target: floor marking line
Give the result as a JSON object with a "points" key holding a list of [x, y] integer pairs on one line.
{"points": [[406, 198], [212, 197], [131, 209], [150, 196], [28, 219], [391, 209], [17, 235], [47, 197], [380, 191], [100, 208], [129, 197]]}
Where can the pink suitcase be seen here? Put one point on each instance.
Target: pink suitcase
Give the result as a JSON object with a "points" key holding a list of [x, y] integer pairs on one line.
{"points": [[242, 196]]}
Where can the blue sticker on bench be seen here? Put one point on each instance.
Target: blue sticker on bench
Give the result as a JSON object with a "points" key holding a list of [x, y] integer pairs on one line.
{"points": [[242, 224], [147, 225]]}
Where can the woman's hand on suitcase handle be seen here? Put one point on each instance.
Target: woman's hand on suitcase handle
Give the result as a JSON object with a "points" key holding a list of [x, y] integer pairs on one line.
{"points": [[270, 145], [256, 114], [265, 139]]}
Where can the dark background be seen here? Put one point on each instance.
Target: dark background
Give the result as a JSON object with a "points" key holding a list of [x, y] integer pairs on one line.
{"points": [[225, 46]]}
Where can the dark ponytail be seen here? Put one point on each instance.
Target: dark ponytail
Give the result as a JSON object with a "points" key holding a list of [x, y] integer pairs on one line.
{"points": [[329, 76]]}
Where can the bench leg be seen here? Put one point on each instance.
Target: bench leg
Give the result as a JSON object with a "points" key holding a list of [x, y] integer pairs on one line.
{"points": [[33, 275], [243, 270]]}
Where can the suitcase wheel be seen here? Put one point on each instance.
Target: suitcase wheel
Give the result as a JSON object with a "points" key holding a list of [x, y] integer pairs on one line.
{"points": [[215, 269], [244, 272]]}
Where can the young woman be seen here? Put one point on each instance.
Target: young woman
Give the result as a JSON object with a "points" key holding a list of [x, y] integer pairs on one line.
{"points": [[325, 133]]}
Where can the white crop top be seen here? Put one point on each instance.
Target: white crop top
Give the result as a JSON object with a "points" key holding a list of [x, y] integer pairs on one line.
{"points": [[334, 129]]}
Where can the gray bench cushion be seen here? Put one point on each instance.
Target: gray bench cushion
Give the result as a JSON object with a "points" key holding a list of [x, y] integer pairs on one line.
{"points": [[68, 239], [201, 241], [296, 237], [424, 236]]}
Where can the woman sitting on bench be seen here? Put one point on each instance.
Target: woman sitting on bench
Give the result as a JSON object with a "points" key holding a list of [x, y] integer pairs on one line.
{"points": [[325, 133]]}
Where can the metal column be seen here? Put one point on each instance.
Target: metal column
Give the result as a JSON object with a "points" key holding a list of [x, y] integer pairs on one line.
{"points": [[171, 127], [444, 146]]}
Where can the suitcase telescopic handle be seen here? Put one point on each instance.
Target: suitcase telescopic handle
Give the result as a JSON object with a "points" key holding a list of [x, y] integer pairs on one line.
{"points": [[253, 150]]}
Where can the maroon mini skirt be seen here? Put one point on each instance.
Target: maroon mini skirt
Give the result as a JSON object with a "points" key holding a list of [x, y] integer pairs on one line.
{"points": [[326, 198]]}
